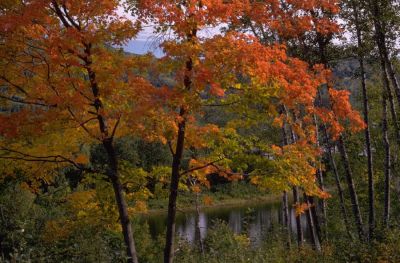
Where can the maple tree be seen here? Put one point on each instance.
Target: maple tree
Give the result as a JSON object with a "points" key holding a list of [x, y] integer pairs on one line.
{"points": [[212, 66], [65, 86]]}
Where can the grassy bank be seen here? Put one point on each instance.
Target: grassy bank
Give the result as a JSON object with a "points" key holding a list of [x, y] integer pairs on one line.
{"points": [[229, 195]]}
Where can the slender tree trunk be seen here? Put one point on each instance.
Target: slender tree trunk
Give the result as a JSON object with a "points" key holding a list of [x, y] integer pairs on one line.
{"points": [[315, 216], [371, 198], [320, 220], [367, 134], [286, 218], [387, 96], [380, 37], [387, 169], [340, 192], [113, 173], [311, 226], [343, 153], [176, 163], [352, 189], [390, 98], [392, 76], [175, 176], [121, 203], [285, 202], [296, 197], [299, 229]]}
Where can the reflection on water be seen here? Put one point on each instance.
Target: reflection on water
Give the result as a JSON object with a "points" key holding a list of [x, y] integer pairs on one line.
{"points": [[257, 220]]}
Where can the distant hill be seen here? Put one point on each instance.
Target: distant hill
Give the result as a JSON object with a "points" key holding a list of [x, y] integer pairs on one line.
{"points": [[141, 47]]}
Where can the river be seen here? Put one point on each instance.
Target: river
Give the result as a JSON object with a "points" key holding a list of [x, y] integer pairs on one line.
{"points": [[256, 219]]}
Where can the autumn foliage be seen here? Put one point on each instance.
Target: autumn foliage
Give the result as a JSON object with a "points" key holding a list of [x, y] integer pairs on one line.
{"points": [[65, 86]]}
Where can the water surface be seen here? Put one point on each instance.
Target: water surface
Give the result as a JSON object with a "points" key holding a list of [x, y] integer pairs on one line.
{"points": [[256, 220]]}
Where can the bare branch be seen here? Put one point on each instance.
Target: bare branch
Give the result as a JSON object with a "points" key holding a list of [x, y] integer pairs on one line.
{"points": [[170, 148], [21, 89], [115, 127], [27, 102], [82, 124]]}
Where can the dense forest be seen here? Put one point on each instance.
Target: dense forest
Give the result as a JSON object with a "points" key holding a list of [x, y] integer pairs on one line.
{"points": [[285, 109]]}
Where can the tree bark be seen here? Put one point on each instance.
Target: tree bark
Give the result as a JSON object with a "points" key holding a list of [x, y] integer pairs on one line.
{"points": [[340, 191], [286, 218], [380, 37], [175, 176], [387, 169], [343, 153], [352, 189], [121, 203], [299, 229], [296, 197], [315, 216], [112, 172], [322, 233], [285, 202], [311, 225], [389, 96], [176, 163], [367, 133]]}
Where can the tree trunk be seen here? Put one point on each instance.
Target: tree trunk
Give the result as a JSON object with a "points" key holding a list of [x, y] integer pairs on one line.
{"points": [[175, 176], [311, 226], [121, 203], [321, 202], [387, 168], [340, 192], [389, 97], [367, 133], [380, 37], [285, 202], [299, 229], [342, 150], [112, 173], [392, 76], [315, 216], [176, 163], [286, 218], [296, 197], [352, 189]]}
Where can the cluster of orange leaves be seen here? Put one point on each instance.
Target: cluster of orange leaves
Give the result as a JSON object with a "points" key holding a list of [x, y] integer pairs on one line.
{"points": [[135, 104]]}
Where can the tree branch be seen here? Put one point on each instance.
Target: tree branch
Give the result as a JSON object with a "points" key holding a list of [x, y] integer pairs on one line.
{"points": [[46, 159], [21, 89], [170, 148], [203, 166], [27, 102], [82, 124], [115, 127]]}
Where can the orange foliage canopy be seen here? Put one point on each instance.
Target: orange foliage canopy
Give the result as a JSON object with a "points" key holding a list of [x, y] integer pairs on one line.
{"points": [[58, 64], [63, 85], [222, 63]]}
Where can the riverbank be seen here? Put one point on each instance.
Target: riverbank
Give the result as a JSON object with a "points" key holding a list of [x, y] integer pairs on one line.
{"points": [[226, 203], [240, 194]]}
